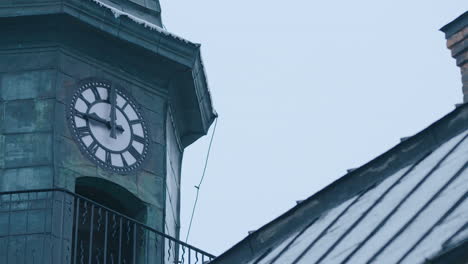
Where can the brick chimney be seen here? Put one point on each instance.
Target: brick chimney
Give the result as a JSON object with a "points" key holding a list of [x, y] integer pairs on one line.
{"points": [[456, 33]]}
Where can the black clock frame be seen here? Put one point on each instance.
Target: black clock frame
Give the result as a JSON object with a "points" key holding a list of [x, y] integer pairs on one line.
{"points": [[90, 82]]}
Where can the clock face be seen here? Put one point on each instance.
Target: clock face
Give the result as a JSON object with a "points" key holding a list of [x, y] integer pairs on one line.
{"points": [[108, 127]]}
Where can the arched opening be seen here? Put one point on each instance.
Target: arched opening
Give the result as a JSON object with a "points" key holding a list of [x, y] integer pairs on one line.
{"points": [[101, 235], [112, 196]]}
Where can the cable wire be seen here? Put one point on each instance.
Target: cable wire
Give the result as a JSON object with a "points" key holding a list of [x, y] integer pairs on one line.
{"points": [[201, 180]]}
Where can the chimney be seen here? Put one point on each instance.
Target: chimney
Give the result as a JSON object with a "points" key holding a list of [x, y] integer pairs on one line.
{"points": [[456, 33]]}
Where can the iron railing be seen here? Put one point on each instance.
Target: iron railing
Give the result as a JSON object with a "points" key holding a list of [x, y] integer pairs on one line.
{"points": [[60, 227]]}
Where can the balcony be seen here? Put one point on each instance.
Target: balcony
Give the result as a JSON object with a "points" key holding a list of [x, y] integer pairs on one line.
{"points": [[55, 226]]}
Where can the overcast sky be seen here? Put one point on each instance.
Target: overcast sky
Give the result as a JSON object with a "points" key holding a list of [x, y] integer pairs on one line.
{"points": [[305, 89]]}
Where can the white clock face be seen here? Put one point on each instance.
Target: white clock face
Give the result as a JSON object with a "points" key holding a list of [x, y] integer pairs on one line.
{"points": [[108, 126]]}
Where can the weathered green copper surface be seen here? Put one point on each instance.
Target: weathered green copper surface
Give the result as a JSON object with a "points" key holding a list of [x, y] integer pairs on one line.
{"points": [[43, 58]]}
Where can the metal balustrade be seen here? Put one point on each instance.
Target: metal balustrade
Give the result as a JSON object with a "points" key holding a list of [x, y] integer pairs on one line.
{"points": [[58, 226]]}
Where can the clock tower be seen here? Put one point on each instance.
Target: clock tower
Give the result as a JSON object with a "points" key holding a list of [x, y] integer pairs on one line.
{"points": [[97, 103]]}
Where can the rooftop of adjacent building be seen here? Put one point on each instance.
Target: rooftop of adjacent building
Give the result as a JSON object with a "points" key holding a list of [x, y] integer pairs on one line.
{"points": [[407, 203]]}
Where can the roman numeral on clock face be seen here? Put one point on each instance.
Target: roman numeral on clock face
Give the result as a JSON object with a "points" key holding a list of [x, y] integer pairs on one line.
{"points": [[84, 100], [93, 147], [125, 105], [134, 122], [139, 139], [108, 157], [83, 131], [96, 93], [134, 152], [123, 160]]}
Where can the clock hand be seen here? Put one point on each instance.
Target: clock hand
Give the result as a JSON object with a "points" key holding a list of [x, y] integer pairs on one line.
{"points": [[95, 117], [113, 99]]}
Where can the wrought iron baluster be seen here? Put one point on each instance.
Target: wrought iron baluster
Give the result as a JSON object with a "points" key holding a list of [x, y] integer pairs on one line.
{"points": [[169, 251], [141, 234], [69, 216], [91, 232], [114, 226], [85, 212], [81, 252], [83, 223], [114, 234], [77, 223], [99, 219], [134, 242], [190, 256], [120, 241], [105, 237], [183, 253], [96, 237], [128, 232], [98, 255]]}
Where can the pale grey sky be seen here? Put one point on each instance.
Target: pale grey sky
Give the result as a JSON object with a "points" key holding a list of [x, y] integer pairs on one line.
{"points": [[304, 91]]}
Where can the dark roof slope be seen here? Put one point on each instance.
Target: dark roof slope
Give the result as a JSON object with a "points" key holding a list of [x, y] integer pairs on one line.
{"points": [[406, 206]]}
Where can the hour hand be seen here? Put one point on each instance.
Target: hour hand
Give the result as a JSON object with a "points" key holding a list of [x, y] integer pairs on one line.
{"points": [[95, 117], [113, 99]]}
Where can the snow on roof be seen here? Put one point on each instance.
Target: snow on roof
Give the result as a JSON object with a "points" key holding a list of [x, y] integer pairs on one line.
{"points": [[412, 215], [121, 12]]}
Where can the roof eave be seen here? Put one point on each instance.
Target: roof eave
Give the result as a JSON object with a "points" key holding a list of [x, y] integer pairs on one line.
{"points": [[205, 103]]}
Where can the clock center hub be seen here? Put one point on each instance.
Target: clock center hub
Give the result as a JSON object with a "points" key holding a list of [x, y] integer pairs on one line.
{"points": [[102, 132]]}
